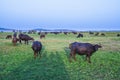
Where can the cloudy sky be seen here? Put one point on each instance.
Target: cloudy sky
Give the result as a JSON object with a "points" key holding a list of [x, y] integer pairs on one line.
{"points": [[60, 14]]}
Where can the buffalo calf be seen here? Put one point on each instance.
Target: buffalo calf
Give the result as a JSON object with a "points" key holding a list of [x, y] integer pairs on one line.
{"points": [[36, 46]]}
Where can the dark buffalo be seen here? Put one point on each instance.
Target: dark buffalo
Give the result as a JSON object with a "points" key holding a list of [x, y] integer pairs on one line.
{"points": [[102, 34], [83, 49], [56, 33], [96, 34], [65, 33], [39, 33], [91, 32], [80, 35], [29, 32], [14, 40], [46, 33], [42, 36], [74, 32], [36, 46], [25, 38], [118, 35], [9, 37]]}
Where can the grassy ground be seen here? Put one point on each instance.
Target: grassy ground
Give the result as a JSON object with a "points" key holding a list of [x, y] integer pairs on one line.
{"points": [[17, 62]]}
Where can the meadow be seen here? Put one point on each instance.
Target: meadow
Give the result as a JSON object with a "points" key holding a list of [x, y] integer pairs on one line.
{"points": [[18, 63]]}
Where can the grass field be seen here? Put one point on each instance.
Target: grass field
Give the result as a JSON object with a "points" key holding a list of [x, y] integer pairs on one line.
{"points": [[17, 62]]}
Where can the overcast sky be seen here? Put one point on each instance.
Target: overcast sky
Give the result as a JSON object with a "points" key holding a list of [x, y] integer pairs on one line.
{"points": [[60, 14]]}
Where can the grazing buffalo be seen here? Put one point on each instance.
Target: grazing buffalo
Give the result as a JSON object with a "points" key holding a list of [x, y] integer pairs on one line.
{"points": [[36, 46], [80, 35], [91, 32], [42, 36], [29, 32], [55, 33], [65, 33], [39, 33], [9, 37], [118, 35], [25, 38], [102, 34], [96, 34], [74, 32], [14, 40], [83, 49]]}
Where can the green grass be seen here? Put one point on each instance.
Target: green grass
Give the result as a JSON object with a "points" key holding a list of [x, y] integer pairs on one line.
{"points": [[17, 62]]}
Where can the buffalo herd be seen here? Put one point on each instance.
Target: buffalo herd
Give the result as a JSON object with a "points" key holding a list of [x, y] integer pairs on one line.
{"points": [[79, 48]]}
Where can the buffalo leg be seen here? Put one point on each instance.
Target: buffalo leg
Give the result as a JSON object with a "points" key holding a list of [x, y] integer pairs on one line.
{"points": [[71, 55], [88, 58], [35, 54], [27, 42], [39, 53], [14, 43], [20, 41], [74, 56], [70, 59]]}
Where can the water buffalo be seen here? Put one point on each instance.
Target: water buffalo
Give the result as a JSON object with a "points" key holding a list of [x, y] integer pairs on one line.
{"points": [[118, 35], [14, 40], [36, 46], [91, 32], [55, 33], [96, 34], [83, 49], [39, 33], [42, 36], [102, 34], [25, 38], [65, 33], [74, 32], [80, 35], [9, 37]]}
